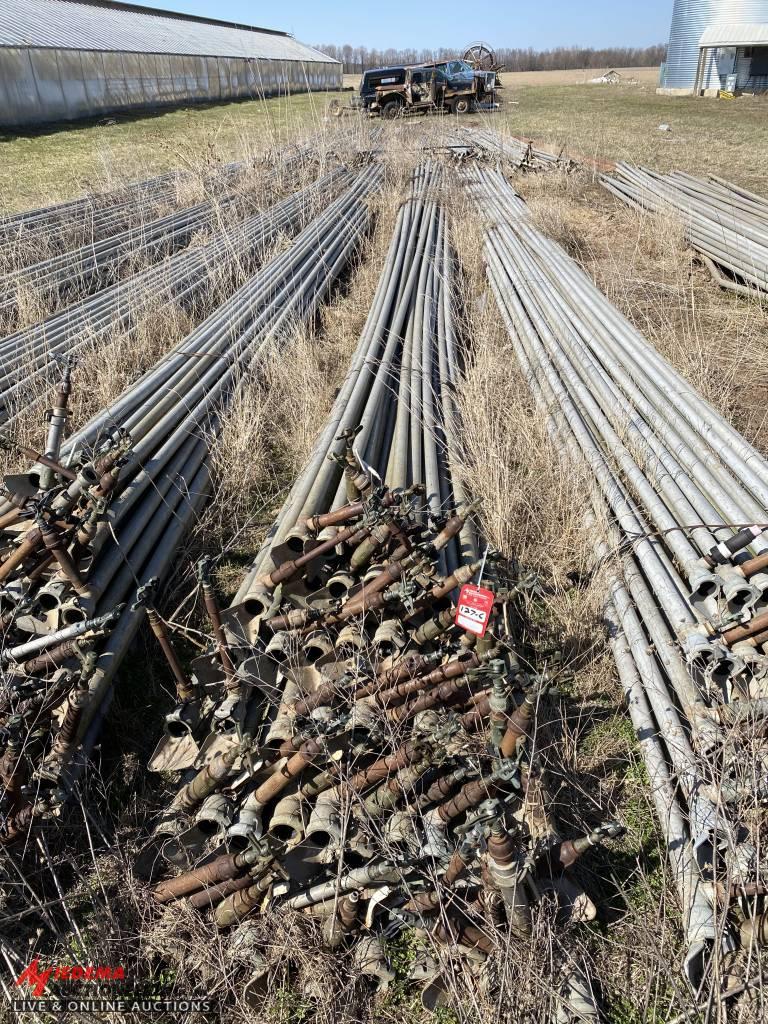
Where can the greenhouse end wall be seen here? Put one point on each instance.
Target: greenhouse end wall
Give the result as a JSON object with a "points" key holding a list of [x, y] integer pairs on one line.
{"points": [[45, 85]]}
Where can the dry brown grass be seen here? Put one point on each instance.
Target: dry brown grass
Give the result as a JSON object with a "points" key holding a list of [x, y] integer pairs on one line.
{"points": [[533, 506], [532, 510], [52, 164], [630, 77], [259, 185], [716, 340]]}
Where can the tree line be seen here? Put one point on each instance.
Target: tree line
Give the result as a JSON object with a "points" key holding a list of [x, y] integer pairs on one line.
{"points": [[357, 59]]}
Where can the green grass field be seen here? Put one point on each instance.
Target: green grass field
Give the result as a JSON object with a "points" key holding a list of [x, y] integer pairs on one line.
{"points": [[48, 165], [611, 122], [729, 138]]}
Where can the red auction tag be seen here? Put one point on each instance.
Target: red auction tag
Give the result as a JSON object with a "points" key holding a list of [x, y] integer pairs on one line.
{"points": [[474, 608]]}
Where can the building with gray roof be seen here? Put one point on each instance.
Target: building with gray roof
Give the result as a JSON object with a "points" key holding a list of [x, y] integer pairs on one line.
{"points": [[68, 59]]}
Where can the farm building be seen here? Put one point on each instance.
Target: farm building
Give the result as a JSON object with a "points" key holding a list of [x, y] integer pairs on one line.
{"points": [[67, 59], [717, 44]]}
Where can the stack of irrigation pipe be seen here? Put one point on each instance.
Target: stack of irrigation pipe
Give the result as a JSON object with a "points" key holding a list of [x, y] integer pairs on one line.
{"points": [[344, 749], [470, 143], [98, 216], [93, 216], [102, 513], [684, 496], [61, 279], [725, 224], [28, 358]]}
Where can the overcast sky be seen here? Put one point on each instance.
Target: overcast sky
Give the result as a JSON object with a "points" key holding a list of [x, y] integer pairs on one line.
{"points": [[450, 23]]}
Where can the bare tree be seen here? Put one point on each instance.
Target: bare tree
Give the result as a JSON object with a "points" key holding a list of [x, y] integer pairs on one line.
{"points": [[357, 59]]}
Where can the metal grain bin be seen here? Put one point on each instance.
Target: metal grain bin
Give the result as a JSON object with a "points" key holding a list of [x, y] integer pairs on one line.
{"points": [[690, 19]]}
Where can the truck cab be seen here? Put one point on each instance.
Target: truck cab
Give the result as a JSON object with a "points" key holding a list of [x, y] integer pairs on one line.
{"points": [[449, 85], [373, 81]]}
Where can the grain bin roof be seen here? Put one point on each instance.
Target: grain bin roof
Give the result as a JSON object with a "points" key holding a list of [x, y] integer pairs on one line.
{"points": [[130, 28], [731, 34]]}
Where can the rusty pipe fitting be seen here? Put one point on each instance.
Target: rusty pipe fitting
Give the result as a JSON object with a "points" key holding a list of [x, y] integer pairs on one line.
{"points": [[440, 788], [343, 922], [381, 769], [453, 527], [378, 537], [294, 766], [214, 614], [51, 659], [207, 780], [33, 540], [50, 463], [222, 869], [364, 599], [498, 711], [212, 895], [433, 628], [54, 544], [297, 618], [443, 695], [518, 726], [569, 851], [470, 795], [463, 574], [758, 624], [185, 690], [504, 871], [237, 906], [461, 933], [386, 796], [13, 772], [64, 743], [288, 570]]}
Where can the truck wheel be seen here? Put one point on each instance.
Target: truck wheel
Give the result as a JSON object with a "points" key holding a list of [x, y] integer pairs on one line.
{"points": [[391, 110], [462, 105]]}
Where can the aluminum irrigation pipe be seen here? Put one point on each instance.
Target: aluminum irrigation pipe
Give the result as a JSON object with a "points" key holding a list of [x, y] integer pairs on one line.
{"points": [[344, 699], [386, 391], [726, 225], [29, 356], [99, 215], [673, 596], [62, 277], [683, 490], [654, 387], [55, 574], [506, 149], [91, 217], [463, 142], [698, 922]]}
